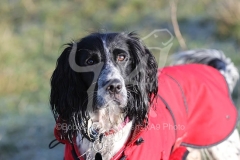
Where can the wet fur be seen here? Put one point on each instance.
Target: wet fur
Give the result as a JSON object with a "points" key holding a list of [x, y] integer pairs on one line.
{"points": [[69, 89]]}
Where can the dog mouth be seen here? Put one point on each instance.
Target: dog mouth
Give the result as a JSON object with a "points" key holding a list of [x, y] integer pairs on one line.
{"points": [[106, 118], [96, 129], [117, 101]]}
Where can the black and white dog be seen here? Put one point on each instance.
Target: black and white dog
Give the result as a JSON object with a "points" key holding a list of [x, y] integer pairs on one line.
{"points": [[103, 86], [113, 97]]}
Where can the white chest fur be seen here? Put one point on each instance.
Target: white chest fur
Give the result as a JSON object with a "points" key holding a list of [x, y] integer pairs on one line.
{"points": [[109, 146]]}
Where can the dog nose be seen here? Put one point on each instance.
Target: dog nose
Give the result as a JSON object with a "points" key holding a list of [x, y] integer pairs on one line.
{"points": [[115, 86]]}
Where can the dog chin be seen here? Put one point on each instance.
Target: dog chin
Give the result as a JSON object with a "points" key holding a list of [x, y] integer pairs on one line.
{"points": [[107, 118]]}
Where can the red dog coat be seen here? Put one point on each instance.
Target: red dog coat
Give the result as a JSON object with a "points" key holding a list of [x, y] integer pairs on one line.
{"points": [[193, 108]]}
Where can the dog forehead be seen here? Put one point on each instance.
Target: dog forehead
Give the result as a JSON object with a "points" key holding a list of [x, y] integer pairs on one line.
{"points": [[116, 41], [91, 42], [100, 41]]}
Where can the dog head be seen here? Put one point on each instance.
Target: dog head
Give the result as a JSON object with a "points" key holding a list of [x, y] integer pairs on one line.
{"points": [[100, 80]]}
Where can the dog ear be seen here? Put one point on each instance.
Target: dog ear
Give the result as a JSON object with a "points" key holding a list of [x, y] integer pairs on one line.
{"points": [[146, 63], [151, 77], [143, 85], [66, 88]]}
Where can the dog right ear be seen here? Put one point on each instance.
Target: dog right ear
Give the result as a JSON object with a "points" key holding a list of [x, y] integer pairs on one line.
{"points": [[66, 95]]}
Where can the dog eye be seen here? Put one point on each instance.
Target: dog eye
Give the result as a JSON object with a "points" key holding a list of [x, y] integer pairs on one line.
{"points": [[121, 58], [90, 61]]}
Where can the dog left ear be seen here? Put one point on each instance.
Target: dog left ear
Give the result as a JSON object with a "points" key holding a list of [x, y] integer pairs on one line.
{"points": [[147, 63], [152, 69], [143, 82]]}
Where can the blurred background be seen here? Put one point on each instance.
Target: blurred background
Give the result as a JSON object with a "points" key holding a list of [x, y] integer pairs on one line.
{"points": [[32, 34]]}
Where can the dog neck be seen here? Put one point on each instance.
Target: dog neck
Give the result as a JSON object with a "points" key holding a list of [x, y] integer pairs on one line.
{"points": [[109, 146]]}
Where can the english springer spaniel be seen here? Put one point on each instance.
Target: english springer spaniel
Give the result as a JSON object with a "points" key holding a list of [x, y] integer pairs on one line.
{"points": [[106, 90]]}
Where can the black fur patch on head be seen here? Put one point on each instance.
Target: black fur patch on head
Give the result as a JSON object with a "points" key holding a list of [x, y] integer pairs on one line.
{"points": [[69, 97]]}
